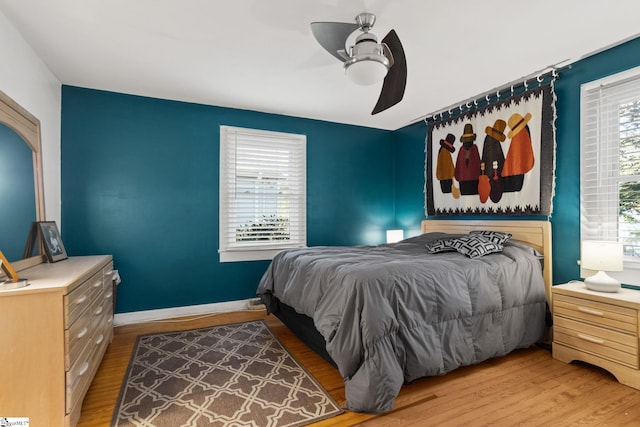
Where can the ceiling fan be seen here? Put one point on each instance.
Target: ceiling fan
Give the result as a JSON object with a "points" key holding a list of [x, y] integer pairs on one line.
{"points": [[367, 61]]}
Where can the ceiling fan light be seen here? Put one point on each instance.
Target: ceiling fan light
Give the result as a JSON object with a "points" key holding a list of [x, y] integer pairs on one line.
{"points": [[366, 72], [367, 64]]}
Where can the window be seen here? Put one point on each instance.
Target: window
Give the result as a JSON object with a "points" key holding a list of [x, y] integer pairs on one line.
{"points": [[610, 162], [262, 193]]}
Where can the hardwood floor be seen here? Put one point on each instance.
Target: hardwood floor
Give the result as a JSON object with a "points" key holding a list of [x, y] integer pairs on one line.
{"points": [[526, 387]]}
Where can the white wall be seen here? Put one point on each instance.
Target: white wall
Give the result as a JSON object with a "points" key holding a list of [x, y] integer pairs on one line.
{"points": [[26, 79]]}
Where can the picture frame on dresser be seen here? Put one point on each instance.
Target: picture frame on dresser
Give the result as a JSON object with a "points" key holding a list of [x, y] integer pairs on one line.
{"points": [[53, 246]]}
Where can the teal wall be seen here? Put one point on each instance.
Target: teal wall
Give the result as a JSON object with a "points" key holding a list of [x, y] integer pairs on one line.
{"points": [[409, 146], [140, 181]]}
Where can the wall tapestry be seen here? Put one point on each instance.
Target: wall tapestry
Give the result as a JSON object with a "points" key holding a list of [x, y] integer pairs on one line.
{"points": [[496, 160]]}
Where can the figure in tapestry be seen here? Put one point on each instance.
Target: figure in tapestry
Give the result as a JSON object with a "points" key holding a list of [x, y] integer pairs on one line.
{"points": [[444, 168], [493, 158], [468, 162], [520, 158]]}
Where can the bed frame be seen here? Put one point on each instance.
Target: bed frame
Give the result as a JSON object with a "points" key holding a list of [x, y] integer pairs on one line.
{"points": [[532, 232]]}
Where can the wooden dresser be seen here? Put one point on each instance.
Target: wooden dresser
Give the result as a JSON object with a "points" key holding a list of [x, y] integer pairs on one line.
{"points": [[598, 328], [53, 335]]}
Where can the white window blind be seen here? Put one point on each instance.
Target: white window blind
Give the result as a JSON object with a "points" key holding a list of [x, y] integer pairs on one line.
{"points": [[610, 162], [262, 193]]}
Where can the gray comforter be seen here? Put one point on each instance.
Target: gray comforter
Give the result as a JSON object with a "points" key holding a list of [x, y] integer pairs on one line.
{"points": [[393, 313]]}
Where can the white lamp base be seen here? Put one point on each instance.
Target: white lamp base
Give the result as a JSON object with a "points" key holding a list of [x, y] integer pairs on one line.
{"points": [[13, 285], [602, 282]]}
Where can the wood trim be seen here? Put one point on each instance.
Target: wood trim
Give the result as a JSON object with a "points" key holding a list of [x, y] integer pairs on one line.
{"points": [[532, 232], [27, 126], [134, 317], [624, 374]]}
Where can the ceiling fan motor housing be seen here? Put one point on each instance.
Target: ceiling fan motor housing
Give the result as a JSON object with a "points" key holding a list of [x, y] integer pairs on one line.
{"points": [[367, 63]]}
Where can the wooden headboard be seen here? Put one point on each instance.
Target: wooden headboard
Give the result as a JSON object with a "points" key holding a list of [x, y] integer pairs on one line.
{"points": [[534, 233]]}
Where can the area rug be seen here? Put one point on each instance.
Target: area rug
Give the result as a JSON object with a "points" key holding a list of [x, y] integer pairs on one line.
{"points": [[229, 375]]}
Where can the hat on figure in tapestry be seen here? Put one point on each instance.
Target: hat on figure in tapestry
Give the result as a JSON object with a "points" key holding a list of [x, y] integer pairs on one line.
{"points": [[468, 135], [517, 123], [447, 143], [497, 131]]}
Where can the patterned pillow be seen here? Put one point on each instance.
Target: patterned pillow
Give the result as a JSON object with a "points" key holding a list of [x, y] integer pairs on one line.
{"points": [[474, 246], [440, 245], [495, 236]]}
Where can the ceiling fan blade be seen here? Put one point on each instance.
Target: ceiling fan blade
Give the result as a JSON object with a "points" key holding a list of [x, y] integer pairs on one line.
{"points": [[333, 35], [396, 79]]}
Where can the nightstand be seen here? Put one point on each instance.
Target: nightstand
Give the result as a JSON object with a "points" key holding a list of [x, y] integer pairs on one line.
{"points": [[598, 328]]}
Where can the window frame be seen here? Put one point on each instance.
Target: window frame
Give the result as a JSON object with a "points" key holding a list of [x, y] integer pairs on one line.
{"points": [[232, 250], [607, 171]]}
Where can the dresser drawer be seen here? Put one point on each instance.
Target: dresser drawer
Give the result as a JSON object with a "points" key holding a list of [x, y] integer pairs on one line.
{"points": [[79, 299], [601, 314], [79, 376], [79, 333], [108, 310], [108, 274], [616, 346]]}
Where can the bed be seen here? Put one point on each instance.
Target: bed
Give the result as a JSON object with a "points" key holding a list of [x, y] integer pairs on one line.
{"points": [[389, 314]]}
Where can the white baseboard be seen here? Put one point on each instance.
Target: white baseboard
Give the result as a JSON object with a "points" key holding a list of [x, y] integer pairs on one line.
{"points": [[167, 313]]}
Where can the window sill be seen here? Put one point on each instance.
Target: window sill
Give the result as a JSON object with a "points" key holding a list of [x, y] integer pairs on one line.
{"points": [[250, 255], [630, 275]]}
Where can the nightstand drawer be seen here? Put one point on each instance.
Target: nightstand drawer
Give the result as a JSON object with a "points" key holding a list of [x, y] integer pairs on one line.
{"points": [[612, 345], [601, 314]]}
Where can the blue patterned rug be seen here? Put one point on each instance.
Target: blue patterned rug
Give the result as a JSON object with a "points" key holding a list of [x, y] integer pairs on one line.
{"points": [[230, 375]]}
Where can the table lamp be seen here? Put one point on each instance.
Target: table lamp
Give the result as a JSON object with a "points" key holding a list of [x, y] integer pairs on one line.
{"points": [[601, 256], [394, 236]]}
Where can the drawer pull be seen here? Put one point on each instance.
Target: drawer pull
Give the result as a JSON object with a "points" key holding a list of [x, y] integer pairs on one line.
{"points": [[80, 300], [100, 339], [83, 332], [99, 311], [108, 296], [590, 339], [83, 369], [590, 311], [97, 284]]}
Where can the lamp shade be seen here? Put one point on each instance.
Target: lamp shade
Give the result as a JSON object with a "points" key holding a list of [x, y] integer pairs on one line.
{"points": [[601, 255], [366, 72], [394, 236]]}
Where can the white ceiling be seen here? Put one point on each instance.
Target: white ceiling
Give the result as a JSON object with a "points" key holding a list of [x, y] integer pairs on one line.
{"points": [[260, 54]]}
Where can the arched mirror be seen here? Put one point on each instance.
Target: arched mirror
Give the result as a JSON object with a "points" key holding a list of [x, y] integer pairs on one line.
{"points": [[21, 181]]}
